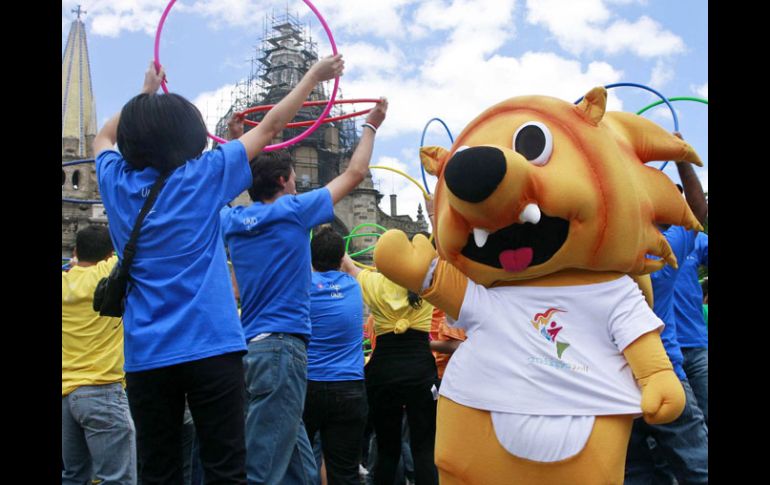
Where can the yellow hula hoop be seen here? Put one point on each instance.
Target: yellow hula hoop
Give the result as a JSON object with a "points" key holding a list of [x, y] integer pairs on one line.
{"points": [[424, 193], [362, 265]]}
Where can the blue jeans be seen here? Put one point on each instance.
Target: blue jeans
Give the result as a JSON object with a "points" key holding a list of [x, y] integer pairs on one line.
{"points": [[696, 366], [277, 447], [683, 443], [98, 439]]}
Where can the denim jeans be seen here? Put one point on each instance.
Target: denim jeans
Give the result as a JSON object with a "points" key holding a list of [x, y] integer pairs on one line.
{"points": [[277, 447], [683, 443], [338, 410], [696, 366], [98, 439]]}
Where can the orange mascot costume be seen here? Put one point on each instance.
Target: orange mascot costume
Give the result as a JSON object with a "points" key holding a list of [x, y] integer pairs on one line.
{"points": [[545, 230]]}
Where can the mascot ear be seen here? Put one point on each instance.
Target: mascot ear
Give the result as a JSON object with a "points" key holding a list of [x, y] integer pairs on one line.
{"points": [[593, 105], [433, 159]]}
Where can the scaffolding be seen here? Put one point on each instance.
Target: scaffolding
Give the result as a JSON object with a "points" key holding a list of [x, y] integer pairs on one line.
{"points": [[285, 53]]}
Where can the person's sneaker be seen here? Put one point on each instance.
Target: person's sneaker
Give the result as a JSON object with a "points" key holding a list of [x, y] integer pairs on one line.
{"points": [[362, 472]]}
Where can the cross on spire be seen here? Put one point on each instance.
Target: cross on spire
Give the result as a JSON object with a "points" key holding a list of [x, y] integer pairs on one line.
{"points": [[78, 11]]}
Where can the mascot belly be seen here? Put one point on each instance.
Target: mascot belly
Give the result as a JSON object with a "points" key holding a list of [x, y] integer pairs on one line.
{"points": [[545, 231]]}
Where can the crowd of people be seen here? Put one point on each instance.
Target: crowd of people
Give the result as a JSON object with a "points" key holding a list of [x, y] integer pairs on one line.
{"points": [[261, 378]]}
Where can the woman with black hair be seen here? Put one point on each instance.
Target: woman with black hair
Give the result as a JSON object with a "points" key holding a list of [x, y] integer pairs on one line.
{"points": [[401, 375], [183, 336]]}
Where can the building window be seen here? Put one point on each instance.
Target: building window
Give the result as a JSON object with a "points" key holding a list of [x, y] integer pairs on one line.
{"points": [[76, 179]]}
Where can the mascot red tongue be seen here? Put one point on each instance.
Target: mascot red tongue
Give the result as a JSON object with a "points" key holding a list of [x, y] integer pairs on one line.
{"points": [[515, 260], [563, 351]]}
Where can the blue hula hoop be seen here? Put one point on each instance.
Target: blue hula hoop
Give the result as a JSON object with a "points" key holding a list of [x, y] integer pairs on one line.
{"points": [[422, 143]]}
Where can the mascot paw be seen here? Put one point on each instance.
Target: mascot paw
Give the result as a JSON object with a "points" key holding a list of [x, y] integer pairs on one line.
{"points": [[403, 262], [663, 398]]}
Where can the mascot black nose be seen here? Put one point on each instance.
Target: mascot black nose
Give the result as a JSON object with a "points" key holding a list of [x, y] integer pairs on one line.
{"points": [[474, 173]]}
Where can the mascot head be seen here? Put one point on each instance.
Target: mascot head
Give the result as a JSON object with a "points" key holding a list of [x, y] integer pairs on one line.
{"points": [[535, 185]]}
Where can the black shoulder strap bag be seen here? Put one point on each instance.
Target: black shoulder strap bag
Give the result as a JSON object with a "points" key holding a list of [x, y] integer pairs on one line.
{"points": [[110, 293]]}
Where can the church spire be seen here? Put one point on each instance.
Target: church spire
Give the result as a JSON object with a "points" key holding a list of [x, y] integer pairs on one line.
{"points": [[78, 111]]}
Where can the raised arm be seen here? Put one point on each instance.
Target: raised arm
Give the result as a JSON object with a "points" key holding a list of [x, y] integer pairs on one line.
{"points": [[693, 191], [348, 267], [348, 180], [257, 138], [108, 135]]}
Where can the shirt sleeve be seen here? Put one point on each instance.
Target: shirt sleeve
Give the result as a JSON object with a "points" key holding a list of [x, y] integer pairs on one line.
{"points": [[315, 207], [473, 302], [631, 317], [228, 165], [106, 163]]}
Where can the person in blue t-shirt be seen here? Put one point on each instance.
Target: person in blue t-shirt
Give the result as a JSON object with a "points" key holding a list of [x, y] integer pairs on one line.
{"points": [[680, 447], [336, 402], [270, 251], [691, 329], [182, 332]]}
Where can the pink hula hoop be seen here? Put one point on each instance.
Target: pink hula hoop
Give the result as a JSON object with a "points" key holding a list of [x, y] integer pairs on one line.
{"points": [[286, 143]]}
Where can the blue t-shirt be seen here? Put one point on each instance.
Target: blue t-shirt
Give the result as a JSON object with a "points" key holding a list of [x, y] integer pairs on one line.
{"points": [[663, 281], [180, 304], [688, 297], [270, 251], [335, 351]]}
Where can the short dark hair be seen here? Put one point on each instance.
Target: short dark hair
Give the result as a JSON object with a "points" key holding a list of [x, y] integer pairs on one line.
{"points": [[93, 243], [162, 131], [266, 169], [326, 249]]}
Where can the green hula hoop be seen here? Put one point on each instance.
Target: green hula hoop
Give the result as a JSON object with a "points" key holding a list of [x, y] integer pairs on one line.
{"points": [[680, 98], [353, 234]]}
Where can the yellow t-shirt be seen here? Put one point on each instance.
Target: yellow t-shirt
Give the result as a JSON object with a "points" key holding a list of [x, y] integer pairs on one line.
{"points": [[389, 304], [91, 345]]}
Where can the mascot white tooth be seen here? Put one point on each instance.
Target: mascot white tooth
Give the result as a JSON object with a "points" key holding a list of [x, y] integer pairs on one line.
{"points": [[541, 225]]}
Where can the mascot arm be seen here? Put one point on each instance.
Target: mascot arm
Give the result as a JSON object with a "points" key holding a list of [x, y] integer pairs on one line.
{"points": [[407, 263], [403, 262], [645, 285], [447, 290], [663, 397]]}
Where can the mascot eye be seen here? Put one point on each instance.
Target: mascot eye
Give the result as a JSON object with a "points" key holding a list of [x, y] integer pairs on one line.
{"points": [[534, 142]]}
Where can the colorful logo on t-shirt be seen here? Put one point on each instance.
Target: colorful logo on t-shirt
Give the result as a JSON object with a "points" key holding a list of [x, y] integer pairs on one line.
{"points": [[549, 329]]}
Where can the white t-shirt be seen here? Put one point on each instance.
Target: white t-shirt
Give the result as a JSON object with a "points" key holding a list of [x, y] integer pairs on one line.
{"points": [[549, 351]]}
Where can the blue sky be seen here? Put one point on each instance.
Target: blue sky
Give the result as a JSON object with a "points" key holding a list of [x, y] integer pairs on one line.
{"points": [[432, 58]]}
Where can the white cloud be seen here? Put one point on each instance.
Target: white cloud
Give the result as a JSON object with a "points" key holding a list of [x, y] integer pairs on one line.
{"points": [[381, 18], [461, 96], [702, 91], [586, 26], [361, 58], [212, 104], [662, 73], [111, 17]]}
